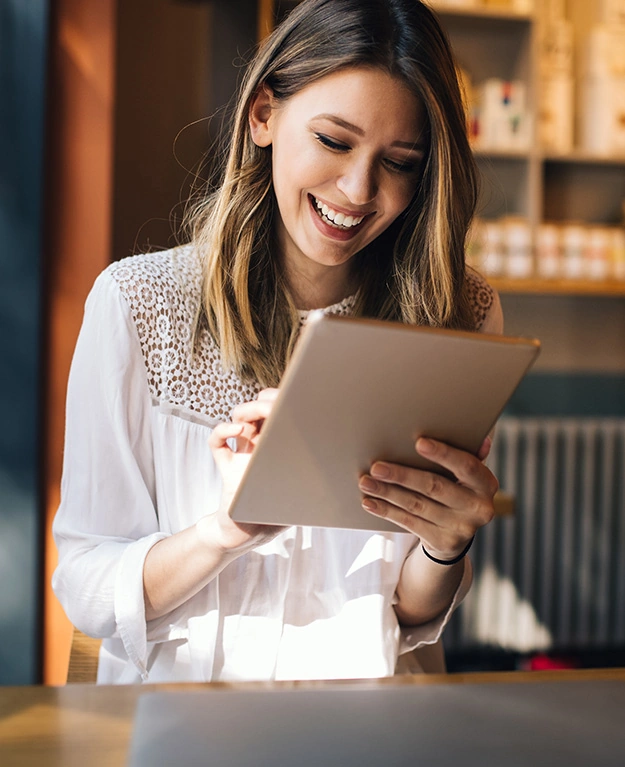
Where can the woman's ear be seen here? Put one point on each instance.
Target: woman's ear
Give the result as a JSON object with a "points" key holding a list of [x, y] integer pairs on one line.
{"points": [[260, 117]]}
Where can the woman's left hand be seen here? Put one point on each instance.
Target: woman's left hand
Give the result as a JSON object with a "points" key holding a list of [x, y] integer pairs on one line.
{"points": [[445, 514]]}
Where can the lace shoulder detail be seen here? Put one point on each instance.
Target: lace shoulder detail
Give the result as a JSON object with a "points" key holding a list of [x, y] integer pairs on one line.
{"points": [[163, 291], [481, 296]]}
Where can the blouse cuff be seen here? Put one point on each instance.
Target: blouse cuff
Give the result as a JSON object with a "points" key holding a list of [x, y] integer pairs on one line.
{"points": [[130, 602], [412, 637]]}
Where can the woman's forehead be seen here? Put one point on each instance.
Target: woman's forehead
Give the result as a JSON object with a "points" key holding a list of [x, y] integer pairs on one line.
{"points": [[358, 98]]}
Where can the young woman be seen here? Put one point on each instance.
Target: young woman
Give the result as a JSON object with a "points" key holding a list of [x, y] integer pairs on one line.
{"points": [[349, 186]]}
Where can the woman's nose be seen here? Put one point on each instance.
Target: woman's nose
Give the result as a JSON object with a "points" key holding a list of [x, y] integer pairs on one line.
{"points": [[359, 183]]}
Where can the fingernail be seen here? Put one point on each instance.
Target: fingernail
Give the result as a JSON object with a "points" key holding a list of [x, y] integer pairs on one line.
{"points": [[369, 504], [368, 485], [380, 470], [425, 446]]}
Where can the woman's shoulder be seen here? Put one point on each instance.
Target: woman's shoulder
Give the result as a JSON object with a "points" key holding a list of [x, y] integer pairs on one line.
{"points": [[484, 301], [162, 292], [166, 276]]}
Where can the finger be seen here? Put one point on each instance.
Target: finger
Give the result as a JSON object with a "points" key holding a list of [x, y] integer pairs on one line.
{"points": [[468, 469], [485, 447], [218, 442], [220, 435], [391, 497], [417, 504], [247, 439], [268, 394], [417, 525], [393, 481], [444, 529], [256, 410]]}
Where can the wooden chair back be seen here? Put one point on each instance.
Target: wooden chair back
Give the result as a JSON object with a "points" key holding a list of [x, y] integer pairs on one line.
{"points": [[83, 659]]}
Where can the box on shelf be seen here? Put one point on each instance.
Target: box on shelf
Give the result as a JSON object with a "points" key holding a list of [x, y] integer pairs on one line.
{"points": [[556, 42], [612, 11], [550, 10], [556, 113], [602, 115], [604, 52], [501, 115]]}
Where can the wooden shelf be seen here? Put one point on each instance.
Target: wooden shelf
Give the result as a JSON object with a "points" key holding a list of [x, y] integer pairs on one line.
{"points": [[488, 13], [483, 153], [538, 286], [583, 158]]}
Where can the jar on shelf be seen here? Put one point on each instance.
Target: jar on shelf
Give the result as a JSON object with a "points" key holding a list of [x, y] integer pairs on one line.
{"points": [[598, 253], [617, 252], [492, 241], [574, 241], [548, 251], [518, 248]]}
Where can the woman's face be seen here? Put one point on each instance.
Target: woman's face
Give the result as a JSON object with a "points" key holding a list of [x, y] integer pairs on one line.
{"points": [[346, 156]]}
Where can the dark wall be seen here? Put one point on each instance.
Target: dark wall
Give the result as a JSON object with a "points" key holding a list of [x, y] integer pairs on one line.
{"points": [[23, 26]]}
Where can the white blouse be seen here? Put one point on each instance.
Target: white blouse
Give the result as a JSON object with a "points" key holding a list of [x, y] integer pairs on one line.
{"points": [[313, 603]]}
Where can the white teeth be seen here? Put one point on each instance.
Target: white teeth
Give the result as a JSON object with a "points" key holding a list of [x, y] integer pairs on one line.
{"points": [[337, 219]]}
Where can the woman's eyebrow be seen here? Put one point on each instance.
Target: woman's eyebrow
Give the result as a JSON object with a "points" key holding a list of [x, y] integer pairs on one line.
{"points": [[414, 146], [340, 122]]}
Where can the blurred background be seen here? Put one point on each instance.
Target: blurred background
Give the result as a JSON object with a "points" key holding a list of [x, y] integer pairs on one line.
{"points": [[104, 120]]}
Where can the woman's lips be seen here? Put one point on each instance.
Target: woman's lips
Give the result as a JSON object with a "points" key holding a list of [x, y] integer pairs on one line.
{"points": [[337, 231]]}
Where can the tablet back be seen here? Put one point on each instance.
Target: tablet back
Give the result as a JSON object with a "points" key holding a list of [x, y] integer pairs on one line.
{"points": [[359, 390]]}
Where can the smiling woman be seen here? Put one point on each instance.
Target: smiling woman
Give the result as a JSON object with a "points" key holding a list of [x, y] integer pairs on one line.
{"points": [[349, 186], [340, 176]]}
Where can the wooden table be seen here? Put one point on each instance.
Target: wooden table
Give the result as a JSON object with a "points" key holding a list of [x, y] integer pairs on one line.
{"points": [[92, 725]]}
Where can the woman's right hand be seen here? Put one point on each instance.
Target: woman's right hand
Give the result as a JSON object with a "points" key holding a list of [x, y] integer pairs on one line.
{"points": [[247, 421]]}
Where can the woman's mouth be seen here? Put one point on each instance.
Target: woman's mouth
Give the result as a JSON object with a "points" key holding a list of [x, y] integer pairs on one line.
{"points": [[333, 218]]}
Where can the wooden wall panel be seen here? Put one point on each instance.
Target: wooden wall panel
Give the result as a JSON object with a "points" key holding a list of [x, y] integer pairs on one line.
{"points": [[79, 205]]}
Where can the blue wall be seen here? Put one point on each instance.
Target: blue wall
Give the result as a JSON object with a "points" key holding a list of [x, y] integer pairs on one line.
{"points": [[569, 394], [23, 40]]}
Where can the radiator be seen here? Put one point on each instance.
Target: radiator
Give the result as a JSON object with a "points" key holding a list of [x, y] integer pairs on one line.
{"points": [[552, 575]]}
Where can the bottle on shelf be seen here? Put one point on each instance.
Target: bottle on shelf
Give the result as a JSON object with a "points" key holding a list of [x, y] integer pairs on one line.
{"points": [[602, 91], [556, 85]]}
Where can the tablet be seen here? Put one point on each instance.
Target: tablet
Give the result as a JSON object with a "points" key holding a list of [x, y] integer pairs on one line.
{"points": [[357, 390]]}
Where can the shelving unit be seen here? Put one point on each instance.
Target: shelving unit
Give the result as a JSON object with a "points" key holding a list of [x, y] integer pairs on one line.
{"points": [[558, 287], [532, 184]]}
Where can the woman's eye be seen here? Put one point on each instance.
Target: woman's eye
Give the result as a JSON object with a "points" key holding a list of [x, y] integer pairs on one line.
{"points": [[402, 167], [330, 143]]}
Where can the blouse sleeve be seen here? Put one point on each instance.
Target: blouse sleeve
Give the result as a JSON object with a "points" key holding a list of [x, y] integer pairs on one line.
{"points": [[493, 322], [107, 519]]}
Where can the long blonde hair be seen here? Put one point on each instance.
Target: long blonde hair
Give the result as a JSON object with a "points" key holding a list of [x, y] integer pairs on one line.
{"points": [[414, 271]]}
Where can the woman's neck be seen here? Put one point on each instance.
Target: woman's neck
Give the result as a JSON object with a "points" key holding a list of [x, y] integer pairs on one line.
{"points": [[326, 287]]}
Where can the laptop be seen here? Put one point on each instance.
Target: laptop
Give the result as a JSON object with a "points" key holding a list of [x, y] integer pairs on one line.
{"points": [[533, 724], [357, 390]]}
